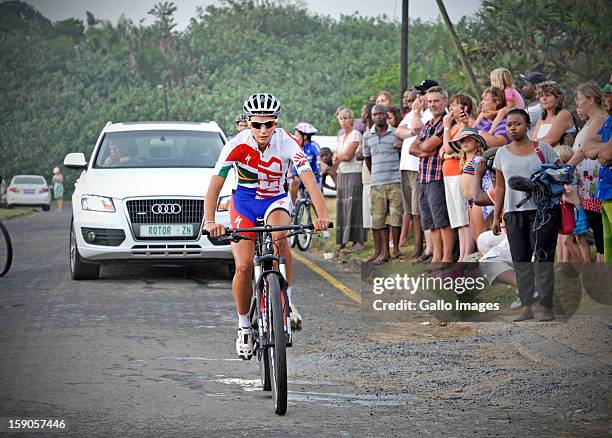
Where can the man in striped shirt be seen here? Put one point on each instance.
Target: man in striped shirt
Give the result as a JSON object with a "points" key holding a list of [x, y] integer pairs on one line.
{"points": [[434, 214], [382, 159]]}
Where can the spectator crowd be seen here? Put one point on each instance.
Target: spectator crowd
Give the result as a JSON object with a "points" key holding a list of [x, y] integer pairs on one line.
{"points": [[437, 167]]}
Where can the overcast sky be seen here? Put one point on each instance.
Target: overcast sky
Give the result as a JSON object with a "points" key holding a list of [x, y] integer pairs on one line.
{"points": [[137, 9]]}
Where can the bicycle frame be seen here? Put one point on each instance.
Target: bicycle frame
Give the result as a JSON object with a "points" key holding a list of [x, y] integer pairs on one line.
{"points": [[263, 266]]}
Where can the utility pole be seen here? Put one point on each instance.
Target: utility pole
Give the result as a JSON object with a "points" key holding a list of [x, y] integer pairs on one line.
{"points": [[457, 43], [404, 50], [166, 112]]}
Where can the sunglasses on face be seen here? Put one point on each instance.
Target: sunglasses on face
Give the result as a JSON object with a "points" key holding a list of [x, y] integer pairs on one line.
{"points": [[259, 125]]}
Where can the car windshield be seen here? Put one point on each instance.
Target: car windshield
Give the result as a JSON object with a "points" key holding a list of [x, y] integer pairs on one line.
{"points": [[28, 180], [159, 148]]}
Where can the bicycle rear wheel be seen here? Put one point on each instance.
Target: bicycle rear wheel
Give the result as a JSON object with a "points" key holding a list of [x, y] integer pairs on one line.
{"points": [[304, 217], [277, 353], [6, 250]]}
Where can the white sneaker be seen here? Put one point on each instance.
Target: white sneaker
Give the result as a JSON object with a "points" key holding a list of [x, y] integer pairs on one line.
{"points": [[517, 303], [244, 346], [295, 317]]}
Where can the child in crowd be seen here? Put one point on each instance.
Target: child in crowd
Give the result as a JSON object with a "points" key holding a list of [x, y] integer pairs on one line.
{"points": [[521, 158], [502, 79], [567, 249]]}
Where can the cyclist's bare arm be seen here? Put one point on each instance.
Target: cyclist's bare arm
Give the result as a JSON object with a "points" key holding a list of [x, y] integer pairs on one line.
{"points": [[210, 206], [322, 220]]}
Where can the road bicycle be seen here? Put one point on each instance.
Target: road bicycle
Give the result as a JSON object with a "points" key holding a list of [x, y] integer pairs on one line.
{"points": [[302, 216], [269, 312], [6, 249]]}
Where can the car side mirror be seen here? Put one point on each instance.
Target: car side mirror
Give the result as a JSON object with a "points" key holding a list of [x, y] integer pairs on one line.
{"points": [[75, 160]]}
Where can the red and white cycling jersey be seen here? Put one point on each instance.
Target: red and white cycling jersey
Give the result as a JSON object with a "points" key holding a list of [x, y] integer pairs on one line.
{"points": [[264, 171]]}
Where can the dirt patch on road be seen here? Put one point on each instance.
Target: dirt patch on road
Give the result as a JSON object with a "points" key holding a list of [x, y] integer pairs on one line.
{"points": [[423, 331]]}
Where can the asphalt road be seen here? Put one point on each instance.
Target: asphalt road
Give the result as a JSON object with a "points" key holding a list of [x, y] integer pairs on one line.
{"points": [[150, 352]]}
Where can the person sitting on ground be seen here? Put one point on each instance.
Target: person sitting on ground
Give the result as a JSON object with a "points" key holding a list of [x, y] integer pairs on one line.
{"points": [[327, 168], [502, 78]]}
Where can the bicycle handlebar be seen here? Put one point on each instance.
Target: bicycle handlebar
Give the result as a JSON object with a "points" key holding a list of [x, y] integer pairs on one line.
{"points": [[268, 228]]}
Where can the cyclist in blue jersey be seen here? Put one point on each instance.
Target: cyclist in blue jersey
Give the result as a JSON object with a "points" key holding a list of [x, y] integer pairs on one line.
{"points": [[303, 134]]}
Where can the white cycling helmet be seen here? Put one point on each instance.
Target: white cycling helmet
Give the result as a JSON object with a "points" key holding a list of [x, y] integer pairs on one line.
{"points": [[305, 128], [262, 104]]}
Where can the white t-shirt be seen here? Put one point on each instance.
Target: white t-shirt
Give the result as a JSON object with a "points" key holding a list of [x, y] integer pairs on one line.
{"points": [[351, 166], [407, 160]]}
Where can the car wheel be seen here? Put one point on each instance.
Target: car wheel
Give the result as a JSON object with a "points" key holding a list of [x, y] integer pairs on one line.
{"points": [[46, 207], [79, 269]]}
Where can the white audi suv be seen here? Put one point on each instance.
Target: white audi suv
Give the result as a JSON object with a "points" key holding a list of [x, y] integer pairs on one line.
{"points": [[141, 197]]}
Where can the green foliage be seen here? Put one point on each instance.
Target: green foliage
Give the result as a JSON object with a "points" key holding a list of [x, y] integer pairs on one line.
{"points": [[569, 41], [60, 82]]}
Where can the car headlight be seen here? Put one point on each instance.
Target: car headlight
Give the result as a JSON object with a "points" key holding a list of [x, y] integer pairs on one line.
{"points": [[97, 203], [224, 202]]}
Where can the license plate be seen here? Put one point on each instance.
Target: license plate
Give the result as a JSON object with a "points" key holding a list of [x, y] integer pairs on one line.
{"points": [[29, 192], [166, 230]]}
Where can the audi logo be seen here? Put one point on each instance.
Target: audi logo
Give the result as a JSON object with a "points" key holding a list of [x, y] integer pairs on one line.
{"points": [[166, 208]]}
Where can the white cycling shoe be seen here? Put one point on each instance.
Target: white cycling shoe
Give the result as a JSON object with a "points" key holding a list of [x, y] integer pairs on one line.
{"points": [[295, 317], [244, 346]]}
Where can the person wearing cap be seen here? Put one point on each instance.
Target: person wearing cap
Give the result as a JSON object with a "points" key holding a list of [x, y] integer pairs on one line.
{"points": [[607, 97], [534, 108], [459, 117], [471, 146]]}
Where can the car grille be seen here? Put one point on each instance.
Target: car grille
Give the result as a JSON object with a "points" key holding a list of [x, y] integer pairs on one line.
{"points": [[166, 251], [140, 212]]}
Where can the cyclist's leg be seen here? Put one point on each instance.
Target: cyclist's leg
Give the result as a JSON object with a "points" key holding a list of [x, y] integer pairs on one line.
{"points": [[241, 216], [243, 252]]}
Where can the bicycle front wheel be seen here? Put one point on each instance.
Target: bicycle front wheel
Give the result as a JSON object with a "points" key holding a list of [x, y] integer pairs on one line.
{"points": [[277, 353], [6, 250], [262, 352], [304, 217]]}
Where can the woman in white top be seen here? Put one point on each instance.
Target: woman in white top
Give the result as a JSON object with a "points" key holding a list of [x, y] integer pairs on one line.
{"points": [[556, 126], [349, 214]]}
